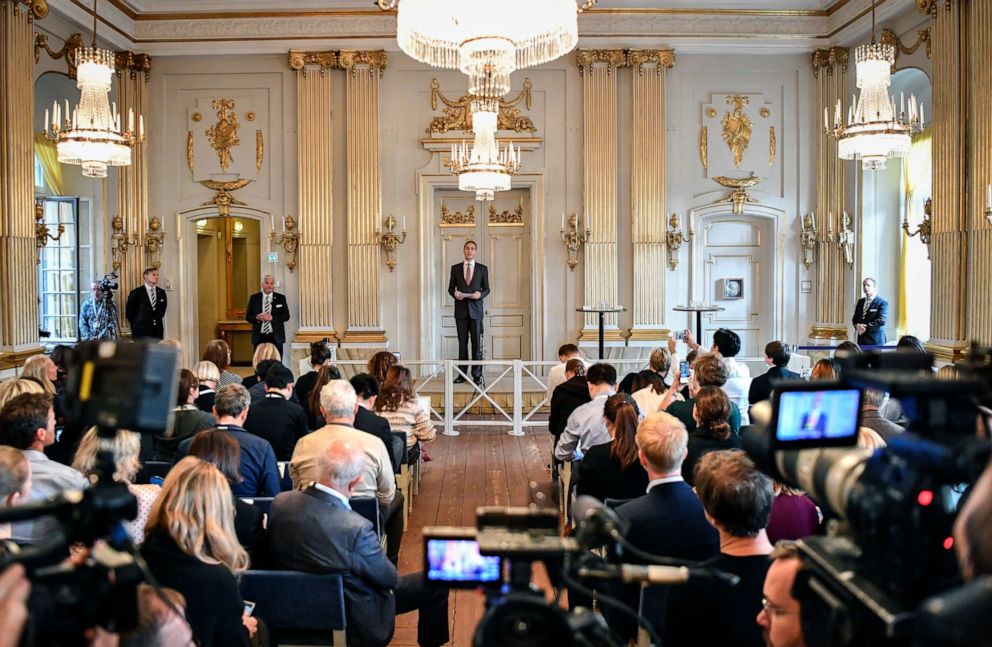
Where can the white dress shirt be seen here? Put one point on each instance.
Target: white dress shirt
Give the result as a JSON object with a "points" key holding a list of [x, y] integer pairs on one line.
{"points": [[675, 478], [334, 493], [737, 386]]}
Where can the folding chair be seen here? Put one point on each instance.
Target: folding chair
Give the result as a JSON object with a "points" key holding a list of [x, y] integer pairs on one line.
{"points": [[298, 608]]}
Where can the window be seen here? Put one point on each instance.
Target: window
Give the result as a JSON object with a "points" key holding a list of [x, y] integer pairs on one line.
{"points": [[58, 272], [39, 176], [914, 315]]}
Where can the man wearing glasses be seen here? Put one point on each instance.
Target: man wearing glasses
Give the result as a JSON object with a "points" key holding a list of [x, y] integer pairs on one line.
{"points": [[779, 618]]}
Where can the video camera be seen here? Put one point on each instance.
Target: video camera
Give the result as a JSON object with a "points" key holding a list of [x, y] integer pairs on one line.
{"points": [[108, 284], [111, 386], [866, 584]]}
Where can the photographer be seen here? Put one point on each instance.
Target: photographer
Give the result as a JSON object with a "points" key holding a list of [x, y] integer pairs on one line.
{"points": [[98, 317]]}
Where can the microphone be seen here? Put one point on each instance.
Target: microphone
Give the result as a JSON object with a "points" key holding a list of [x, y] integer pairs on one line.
{"points": [[653, 574]]}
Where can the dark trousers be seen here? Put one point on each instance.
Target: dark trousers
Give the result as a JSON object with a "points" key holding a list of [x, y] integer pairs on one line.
{"points": [[470, 329], [432, 603], [392, 523]]}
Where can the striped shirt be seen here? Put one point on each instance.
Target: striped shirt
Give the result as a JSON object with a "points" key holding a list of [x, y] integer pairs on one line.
{"points": [[411, 420]]}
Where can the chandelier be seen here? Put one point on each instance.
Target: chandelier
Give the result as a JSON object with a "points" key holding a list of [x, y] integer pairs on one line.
{"points": [[874, 130], [485, 168], [91, 135]]}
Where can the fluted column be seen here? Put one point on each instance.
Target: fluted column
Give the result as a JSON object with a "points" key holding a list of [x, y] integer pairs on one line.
{"points": [[18, 274], [979, 301], [363, 70], [647, 191], [599, 135], [133, 71], [316, 205], [829, 72]]}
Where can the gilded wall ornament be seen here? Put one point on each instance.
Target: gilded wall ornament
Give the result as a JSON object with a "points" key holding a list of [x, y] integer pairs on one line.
{"points": [[661, 58], [197, 117], [289, 239], [808, 238], [223, 135], [133, 62], [250, 115], [223, 198], [39, 8], [828, 59], [513, 218], [765, 113], [374, 59], [457, 115], [845, 239], [42, 233], [711, 112], [737, 127], [73, 43], [739, 197], [189, 150], [889, 37], [299, 60], [389, 241], [925, 228], [704, 148], [771, 146], [154, 241], [611, 58], [457, 219], [674, 238], [259, 150], [575, 239], [119, 242]]}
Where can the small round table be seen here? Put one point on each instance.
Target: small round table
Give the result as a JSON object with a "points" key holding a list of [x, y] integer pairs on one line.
{"points": [[602, 311], [699, 310]]}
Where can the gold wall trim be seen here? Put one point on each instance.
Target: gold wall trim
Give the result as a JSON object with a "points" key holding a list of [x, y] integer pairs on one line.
{"points": [[39, 8], [608, 59], [828, 332], [16, 360], [133, 62], [310, 336], [300, 60], [609, 335]]}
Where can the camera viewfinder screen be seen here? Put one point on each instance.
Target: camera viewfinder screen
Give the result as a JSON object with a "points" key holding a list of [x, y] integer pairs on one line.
{"points": [[458, 561], [828, 416]]}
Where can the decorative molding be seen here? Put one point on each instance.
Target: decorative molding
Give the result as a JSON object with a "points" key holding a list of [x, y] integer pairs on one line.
{"points": [[189, 148], [17, 359], [704, 148], [507, 218], [259, 150], [830, 58], [39, 8], [660, 58], [69, 47], [457, 219], [289, 239], [154, 241], [926, 6], [739, 197], [133, 62], [457, 115], [375, 59], [771, 146], [223, 135], [300, 60], [611, 58], [737, 127], [390, 242], [889, 37], [42, 233], [223, 198]]}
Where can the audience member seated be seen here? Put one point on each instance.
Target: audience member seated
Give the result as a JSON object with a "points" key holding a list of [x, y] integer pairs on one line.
{"points": [[586, 426], [367, 390], [126, 448], [274, 417], [315, 420], [258, 390], [711, 412], [27, 423], [825, 369], [10, 389], [871, 402], [846, 347], [221, 449], [190, 546], [187, 419], [41, 369], [611, 470], [398, 404], [781, 616], [263, 351], [207, 374], [339, 403], [320, 355], [777, 356], [649, 390], [568, 396], [258, 469], [737, 499], [556, 375], [380, 363], [659, 363], [709, 370], [161, 623], [910, 344], [218, 352], [794, 515], [15, 482], [727, 343], [316, 531]]}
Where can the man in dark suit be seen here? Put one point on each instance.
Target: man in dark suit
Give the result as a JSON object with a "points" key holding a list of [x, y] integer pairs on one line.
{"points": [[274, 417], [145, 308], [869, 315], [367, 389], [777, 357], [267, 312], [315, 531], [469, 286]]}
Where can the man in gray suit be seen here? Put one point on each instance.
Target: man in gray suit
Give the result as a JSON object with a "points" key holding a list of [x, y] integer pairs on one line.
{"points": [[871, 401], [469, 285], [316, 531]]}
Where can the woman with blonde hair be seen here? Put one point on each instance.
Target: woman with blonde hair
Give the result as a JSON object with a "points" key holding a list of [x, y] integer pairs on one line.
{"points": [[10, 389], [263, 351], [42, 369], [207, 374], [218, 352], [190, 546], [126, 449]]}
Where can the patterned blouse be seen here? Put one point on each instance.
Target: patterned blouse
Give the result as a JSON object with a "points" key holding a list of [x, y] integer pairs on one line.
{"points": [[227, 377], [411, 420], [146, 495], [98, 320]]}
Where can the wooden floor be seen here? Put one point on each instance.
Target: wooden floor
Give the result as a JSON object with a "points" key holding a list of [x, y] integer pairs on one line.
{"points": [[482, 466]]}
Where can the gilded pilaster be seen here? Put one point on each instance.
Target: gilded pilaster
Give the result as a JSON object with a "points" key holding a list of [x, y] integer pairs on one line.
{"points": [[316, 205], [363, 70], [18, 280], [599, 129], [979, 301], [829, 72], [647, 190]]}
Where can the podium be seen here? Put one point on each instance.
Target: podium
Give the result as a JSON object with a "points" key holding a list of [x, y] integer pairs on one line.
{"points": [[699, 310], [602, 311]]}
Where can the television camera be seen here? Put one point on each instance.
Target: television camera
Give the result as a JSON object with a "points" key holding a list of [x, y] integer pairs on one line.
{"points": [[108, 284]]}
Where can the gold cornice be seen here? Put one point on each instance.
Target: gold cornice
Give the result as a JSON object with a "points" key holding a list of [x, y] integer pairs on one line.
{"points": [[830, 58], [926, 6], [299, 59], [610, 334], [828, 332], [316, 335], [364, 337], [14, 360], [39, 8], [350, 59], [647, 334], [134, 63], [612, 58], [946, 352], [661, 58]]}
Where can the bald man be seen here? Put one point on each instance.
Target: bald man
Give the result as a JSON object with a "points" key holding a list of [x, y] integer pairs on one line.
{"points": [[267, 312]]}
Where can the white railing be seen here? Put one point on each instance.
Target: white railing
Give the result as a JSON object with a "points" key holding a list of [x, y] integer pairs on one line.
{"points": [[526, 376]]}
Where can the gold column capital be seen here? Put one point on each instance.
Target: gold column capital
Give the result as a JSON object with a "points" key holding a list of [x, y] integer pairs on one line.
{"points": [[39, 8], [299, 60], [133, 62], [612, 58], [661, 58], [830, 58], [374, 59]]}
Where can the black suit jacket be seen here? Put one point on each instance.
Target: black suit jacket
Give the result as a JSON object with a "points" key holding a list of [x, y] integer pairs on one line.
{"points": [[280, 315], [762, 386], [567, 397], [144, 320], [314, 532], [874, 321], [469, 308], [278, 421], [378, 426]]}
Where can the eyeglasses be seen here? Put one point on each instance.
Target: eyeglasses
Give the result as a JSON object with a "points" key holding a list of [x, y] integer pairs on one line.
{"points": [[773, 610]]}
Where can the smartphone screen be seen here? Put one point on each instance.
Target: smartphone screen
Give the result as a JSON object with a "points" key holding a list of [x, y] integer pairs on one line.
{"points": [[684, 372], [249, 607]]}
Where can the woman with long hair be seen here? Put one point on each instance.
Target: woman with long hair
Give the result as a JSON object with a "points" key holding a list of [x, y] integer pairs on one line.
{"points": [[825, 369], [187, 419], [611, 470], [380, 363], [127, 464], [263, 351], [315, 419], [711, 411], [649, 390], [218, 352], [41, 369], [190, 546], [320, 355], [398, 404]]}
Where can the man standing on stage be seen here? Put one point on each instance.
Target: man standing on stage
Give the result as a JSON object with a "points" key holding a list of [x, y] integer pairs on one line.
{"points": [[469, 285], [145, 308], [870, 315], [267, 312]]}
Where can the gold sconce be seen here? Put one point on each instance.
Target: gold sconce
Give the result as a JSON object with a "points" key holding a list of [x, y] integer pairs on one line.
{"points": [[924, 230], [573, 239], [674, 239], [42, 234], [154, 240], [808, 238], [844, 237], [289, 239], [389, 241], [119, 242]]}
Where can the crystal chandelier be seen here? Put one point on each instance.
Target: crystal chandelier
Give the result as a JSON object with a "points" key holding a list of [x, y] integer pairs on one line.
{"points": [[91, 134], [874, 131], [485, 168]]}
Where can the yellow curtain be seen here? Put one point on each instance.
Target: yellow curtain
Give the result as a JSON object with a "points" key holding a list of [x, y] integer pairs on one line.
{"points": [[50, 166], [916, 170]]}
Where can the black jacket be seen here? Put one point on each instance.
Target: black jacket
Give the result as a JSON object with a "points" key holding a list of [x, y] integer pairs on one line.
{"points": [[874, 321], [278, 421], [761, 386], [145, 321], [600, 476], [280, 315], [469, 308], [249, 527], [185, 424], [568, 396], [314, 532], [702, 442], [205, 401], [378, 426]]}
